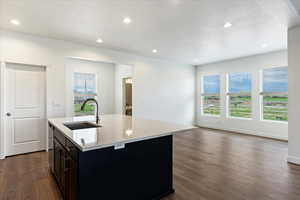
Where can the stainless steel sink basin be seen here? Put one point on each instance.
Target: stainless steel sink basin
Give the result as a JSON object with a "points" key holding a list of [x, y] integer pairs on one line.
{"points": [[81, 125]]}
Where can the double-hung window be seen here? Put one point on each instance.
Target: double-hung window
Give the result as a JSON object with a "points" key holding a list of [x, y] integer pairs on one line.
{"points": [[274, 94], [85, 86], [239, 95], [211, 95]]}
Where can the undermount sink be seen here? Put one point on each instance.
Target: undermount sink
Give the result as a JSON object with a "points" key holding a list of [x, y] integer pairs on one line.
{"points": [[81, 125]]}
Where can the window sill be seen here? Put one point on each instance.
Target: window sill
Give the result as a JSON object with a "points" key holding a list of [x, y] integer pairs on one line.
{"points": [[274, 121], [208, 115], [241, 118]]}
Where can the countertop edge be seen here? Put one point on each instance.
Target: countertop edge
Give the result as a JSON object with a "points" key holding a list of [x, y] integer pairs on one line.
{"points": [[68, 137], [134, 140], [83, 149]]}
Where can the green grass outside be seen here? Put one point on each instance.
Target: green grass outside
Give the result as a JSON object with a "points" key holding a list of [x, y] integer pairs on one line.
{"points": [[213, 109], [238, 111], [275, 107], [240, 106], [277, 114], [272, 99], [89, 109]]}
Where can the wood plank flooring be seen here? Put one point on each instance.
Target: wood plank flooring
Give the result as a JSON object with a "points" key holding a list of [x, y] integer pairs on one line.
{"points": [[208, 165]]}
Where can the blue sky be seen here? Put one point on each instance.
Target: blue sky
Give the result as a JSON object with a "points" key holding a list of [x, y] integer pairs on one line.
{"points": [[239, 82], [211, 84], [274, 80]]}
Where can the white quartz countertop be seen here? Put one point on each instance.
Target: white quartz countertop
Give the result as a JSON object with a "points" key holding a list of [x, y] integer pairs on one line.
{"points": [[116, 130]]}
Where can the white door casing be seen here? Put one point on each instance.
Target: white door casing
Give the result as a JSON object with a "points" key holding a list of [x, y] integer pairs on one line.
{"points": [[25, 108]]}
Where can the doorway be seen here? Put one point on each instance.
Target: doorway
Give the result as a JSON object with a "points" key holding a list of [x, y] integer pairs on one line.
{"points": [[127, 95], [25, 111]]}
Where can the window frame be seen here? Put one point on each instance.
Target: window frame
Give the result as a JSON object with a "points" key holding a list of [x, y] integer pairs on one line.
{"points": [[262, 94], [232, 94], [202, 95], [89, 96]]}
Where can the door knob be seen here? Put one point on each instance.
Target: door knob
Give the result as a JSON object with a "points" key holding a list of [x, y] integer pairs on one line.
{"points": [[8, 114]]}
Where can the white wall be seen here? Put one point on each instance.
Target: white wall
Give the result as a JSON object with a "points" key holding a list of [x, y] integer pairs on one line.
{"points": [[169, 98], [166, 91], [294, 94], [162, 90], [105, 83], [122, 71], [253, 65]]}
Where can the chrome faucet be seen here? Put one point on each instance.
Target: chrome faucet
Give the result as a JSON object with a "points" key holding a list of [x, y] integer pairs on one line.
{"points": [[97, 113]]}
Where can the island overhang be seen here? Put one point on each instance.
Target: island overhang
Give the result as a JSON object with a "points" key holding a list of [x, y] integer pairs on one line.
{"points": [[116, 130]]}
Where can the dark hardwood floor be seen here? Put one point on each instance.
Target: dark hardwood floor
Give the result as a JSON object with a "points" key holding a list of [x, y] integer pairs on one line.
{"points": [[208, 165]]}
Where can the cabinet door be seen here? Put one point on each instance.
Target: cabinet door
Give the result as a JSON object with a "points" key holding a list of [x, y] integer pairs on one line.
{"points": [[59, 166], [62, 172], [65, 171], [50, 147], [57, 161], [70, 178]]}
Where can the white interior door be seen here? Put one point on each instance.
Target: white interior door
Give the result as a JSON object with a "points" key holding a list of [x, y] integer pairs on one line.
{"points": [[25, 109]]}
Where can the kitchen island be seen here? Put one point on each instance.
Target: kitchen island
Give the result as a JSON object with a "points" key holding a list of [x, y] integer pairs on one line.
{"points": [[121, 158]]}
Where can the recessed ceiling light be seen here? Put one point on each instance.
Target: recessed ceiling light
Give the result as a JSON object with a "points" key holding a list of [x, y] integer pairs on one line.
{"points": [[264, 45], [227, 25], [99, 40], [154, 50], [15, 22], [127, 20]]}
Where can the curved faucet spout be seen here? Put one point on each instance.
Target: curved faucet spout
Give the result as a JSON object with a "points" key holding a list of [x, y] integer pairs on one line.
{"points": [[97, 113]]}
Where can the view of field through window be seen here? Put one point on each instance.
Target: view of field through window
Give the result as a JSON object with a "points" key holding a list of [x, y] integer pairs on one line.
{"points": [[239, 91], [275, 94], [240, 106], [84, 88], [275, 107], [211, 95], [211, 105]]}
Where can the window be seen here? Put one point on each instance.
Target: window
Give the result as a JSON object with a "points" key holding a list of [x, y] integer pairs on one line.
{"points": [[211, 95], [239, 95], [84, 88], [275, 94]]}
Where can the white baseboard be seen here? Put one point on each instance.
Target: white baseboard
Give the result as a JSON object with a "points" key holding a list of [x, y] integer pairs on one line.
{"points": [[247, 132], [294, 160], [2, 157]]}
